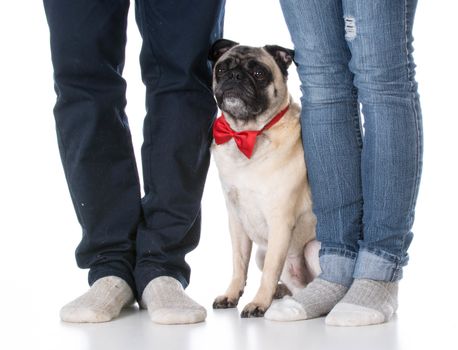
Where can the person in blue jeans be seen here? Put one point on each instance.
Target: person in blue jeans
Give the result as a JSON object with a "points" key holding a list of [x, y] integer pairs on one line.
{"points": [[134, 247], [364, 181]]}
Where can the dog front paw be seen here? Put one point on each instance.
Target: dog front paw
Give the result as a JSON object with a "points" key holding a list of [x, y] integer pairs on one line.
{"points": [[253, 310], [225, 302], [281, 291]]}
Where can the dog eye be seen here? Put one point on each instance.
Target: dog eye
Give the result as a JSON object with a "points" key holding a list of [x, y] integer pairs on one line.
{"points": [[258, 75], [220, 71]]}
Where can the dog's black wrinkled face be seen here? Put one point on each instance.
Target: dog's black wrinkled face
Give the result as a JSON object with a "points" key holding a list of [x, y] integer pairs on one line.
{"points": [[247, 80], [241, 81]]}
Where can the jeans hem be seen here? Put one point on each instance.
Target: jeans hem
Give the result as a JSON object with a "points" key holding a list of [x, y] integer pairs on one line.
{"points": [[379, 265], [337, 265]]}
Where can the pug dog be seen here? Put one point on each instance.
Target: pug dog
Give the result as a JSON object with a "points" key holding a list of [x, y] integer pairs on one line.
{"points": [[258, 152]]}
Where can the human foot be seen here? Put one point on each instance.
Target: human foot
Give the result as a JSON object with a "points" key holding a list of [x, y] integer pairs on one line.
{"points": [[167, 303], [315, 300], [101, 303], [367, 302]]}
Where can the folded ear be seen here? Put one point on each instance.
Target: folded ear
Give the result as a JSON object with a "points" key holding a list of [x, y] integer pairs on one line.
{"points": [[219, 47], [284, 57]]}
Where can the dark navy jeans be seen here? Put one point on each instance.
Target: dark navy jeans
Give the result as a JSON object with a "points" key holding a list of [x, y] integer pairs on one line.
{"points": [[124, 235]]}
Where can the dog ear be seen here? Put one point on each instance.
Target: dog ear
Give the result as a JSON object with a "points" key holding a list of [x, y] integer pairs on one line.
{"points": [[219, 47], [284, 57]]}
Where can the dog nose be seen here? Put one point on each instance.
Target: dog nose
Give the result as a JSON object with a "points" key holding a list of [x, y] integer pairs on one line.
{"points": [[236, 75]]}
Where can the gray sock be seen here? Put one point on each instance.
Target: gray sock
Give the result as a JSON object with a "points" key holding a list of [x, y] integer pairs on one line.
{"points": [[167, 303], [366, 302], [315, 300]]}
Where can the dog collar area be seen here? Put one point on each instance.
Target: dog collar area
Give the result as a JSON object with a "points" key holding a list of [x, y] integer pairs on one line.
{"points": [[246, 139]]}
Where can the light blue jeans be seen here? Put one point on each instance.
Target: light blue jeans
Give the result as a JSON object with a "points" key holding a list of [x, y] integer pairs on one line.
{"points": [[364, 180]]}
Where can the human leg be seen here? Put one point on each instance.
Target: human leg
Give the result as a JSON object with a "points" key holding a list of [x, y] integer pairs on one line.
{"points": [[332, 142], [381, 47], [87, 46], [175, 154]]}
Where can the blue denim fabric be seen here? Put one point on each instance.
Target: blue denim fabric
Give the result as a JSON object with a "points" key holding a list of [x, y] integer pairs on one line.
{"points": [[364, 179]]}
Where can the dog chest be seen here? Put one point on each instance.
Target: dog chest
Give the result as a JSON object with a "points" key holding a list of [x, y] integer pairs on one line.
{"points": [[247, 208]]}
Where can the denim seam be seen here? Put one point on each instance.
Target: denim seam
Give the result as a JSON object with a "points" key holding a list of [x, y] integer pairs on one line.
{"points": [[384, 255], [145, 26], [357, 118], [339, 252], [144, 31], [410, 76]]}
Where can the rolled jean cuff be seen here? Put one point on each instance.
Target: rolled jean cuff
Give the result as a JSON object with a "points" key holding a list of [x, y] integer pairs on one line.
{"points": [[337, 265], [379, 265]]}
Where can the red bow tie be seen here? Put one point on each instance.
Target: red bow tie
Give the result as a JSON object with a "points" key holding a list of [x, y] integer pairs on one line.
{"points": [[245, 140]]}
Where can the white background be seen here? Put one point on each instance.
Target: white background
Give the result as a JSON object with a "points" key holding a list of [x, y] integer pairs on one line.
{"points": [[39, 231]]}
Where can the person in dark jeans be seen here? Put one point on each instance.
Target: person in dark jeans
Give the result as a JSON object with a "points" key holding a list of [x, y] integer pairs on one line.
{"points": [[134, 247]]}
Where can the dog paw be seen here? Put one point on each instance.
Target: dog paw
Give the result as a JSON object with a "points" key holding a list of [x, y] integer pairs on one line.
{"points": [[224, 302], [253, 310], [281, 291]]}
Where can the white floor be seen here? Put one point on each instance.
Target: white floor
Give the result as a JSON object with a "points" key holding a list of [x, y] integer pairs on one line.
{"points": [[30, 317], [38, 229], [225, 330]]}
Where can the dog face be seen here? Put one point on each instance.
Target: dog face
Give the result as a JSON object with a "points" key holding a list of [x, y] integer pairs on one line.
{"points": [[249, 81]]}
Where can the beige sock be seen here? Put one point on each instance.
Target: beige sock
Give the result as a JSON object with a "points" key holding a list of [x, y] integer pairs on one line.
{"points": [[315, 300], [167, 303], [101, 303], [367, 302]]}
